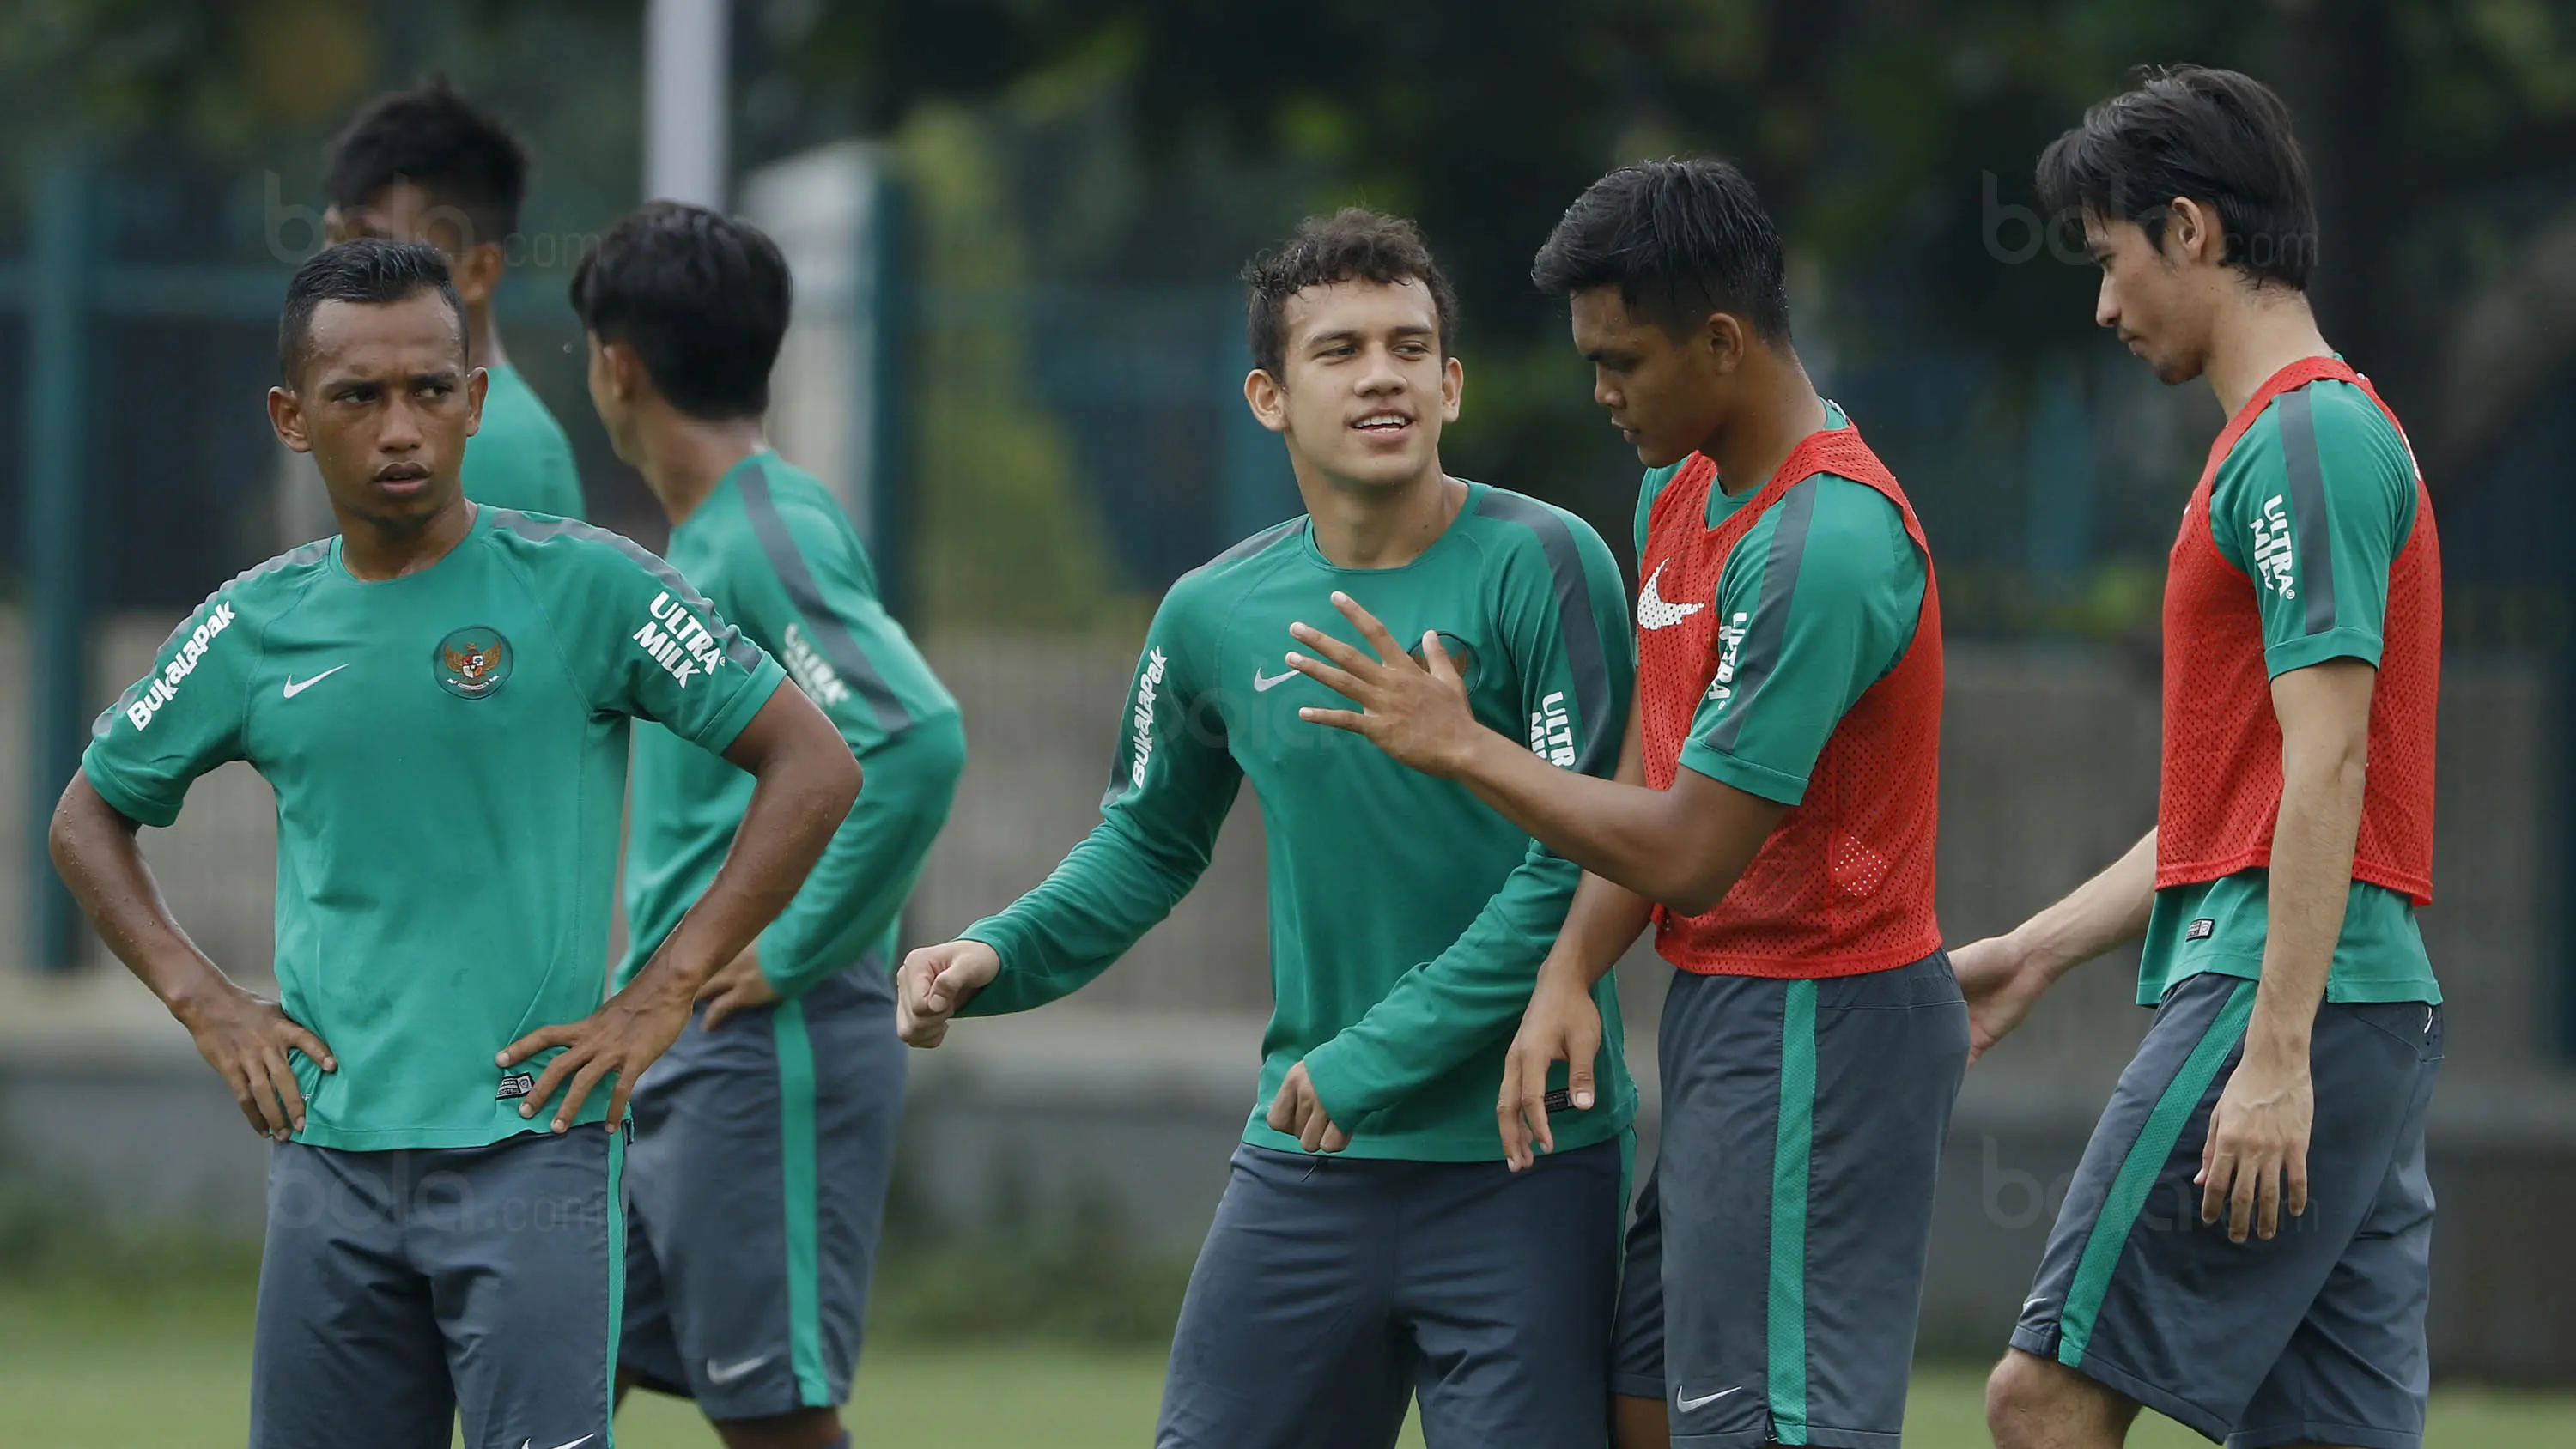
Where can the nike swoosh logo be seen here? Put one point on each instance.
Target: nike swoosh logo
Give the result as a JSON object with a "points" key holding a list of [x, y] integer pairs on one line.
{"points": [[1654, 611], [295, 687], [1686, 1405], [1264, 683], [569, 1444], [725, 1373]]}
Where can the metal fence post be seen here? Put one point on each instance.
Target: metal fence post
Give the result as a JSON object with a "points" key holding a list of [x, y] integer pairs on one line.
{"points": [[886, 281], [57, 364]]}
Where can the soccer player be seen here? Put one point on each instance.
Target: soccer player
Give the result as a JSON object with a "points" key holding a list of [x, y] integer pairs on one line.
{"points": [[440, 697], [2245, 1246], [1406, 919], [764, 1138], [1773, 815], [422, 165]]}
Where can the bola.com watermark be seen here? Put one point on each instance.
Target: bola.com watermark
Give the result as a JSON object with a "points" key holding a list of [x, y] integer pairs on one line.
{"points": [[2013, 233], [293, 231]]}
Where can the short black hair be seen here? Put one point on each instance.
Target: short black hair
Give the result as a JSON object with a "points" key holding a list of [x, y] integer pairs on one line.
{"points": [[1354, 244], [431, 138], [702, 298], [2214, 136], [1680, 239], [367, 269]]}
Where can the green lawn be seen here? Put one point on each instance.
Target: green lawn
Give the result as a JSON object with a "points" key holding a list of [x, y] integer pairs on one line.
{"points": [[87, 1368]]}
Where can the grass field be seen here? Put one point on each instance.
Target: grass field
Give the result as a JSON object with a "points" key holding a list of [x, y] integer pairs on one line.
{"points": [[95, 1368]]}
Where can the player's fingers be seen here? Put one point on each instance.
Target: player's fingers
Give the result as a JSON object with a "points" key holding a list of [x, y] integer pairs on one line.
{"points": [[1339, 681], [1507, 1110], [2215, 1179], [1435, 658], [579, 1089], [314, 1051], [269, 1114], [617, 1102], [2294, 1191], [552, 1077], [1335, 1139], [721, 1007], [290, 1092], [237, 1077], [1339, 651], [1583, 1045], [1375, 633], [2267, 1201], [1283, 1109], [1340, 719], [539, 1040], [2240, 1198], [1310, 1130]]}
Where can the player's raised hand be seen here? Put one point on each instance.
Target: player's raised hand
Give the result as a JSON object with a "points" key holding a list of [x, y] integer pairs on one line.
{"points": [[1300, 1113], [1561, 1024], [245, 1037], [2001, 985], [934, 982], [738, 987], [1417, 713], [627, 1034]]}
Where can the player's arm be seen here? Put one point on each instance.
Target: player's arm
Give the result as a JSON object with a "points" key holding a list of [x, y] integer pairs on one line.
{"points": [[1171, 784], [699, 677], [1571, 648], [2004, 976], [1683, 847], [2327, 472], [182, 720], [1562, 1022], [816, 585]]}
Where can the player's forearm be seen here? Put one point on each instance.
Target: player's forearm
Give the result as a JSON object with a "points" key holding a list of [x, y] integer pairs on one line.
{"points": [[2310, 885], [1600, 926], [805, 781], [1633, 835], [2106, 912], [95, 850], [1113, 887]]}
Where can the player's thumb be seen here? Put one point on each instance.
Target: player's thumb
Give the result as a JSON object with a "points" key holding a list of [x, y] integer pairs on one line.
{"points": [[1581, 1046]]}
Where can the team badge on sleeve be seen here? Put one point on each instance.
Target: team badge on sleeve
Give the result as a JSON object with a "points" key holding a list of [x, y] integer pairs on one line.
{"points": [[472, 663]]}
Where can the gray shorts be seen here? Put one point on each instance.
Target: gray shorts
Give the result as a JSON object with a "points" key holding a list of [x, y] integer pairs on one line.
{"points": [[1775, 1266], [2317, 1334], [1333, 1290], [399, 1289], [756, 1188]]}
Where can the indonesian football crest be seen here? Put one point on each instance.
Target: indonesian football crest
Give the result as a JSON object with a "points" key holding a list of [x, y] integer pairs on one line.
{"points": [[472, 663]]}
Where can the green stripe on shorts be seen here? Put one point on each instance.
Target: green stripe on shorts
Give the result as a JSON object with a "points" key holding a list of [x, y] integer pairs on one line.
{"points": [[616, 1268], [1786, 1380], [796, 1161], [2137, 1176]]}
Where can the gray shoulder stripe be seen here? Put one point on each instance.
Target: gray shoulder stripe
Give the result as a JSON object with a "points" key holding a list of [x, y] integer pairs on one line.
{"points": [[738, 649], [831, 635], [1576, 625], [301, 554], [2313, 560], [1259, 543], [1759, 655]]}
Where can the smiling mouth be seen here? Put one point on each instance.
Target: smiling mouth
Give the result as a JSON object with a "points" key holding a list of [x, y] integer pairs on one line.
{"points": [[1383, 424]]}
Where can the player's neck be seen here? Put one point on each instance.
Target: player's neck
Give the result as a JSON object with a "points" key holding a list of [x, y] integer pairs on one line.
{"points": [[373, 553], [1777, 410], [483, 339], [684, 458], [2255, 334], [1373, 526]]}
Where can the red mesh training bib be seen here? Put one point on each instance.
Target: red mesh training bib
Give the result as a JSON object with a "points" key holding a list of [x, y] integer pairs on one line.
{"points": [[2221, 785], [1844, 884]]}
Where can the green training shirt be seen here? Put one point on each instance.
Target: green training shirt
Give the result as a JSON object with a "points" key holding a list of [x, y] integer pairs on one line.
{"points": [[520, 458], [1407, 919], [2368, 479], [1820, 601], [776, 556], [449, 755]]}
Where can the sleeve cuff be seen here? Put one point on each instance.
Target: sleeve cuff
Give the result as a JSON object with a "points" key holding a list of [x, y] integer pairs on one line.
{"points": [[128, 801], [2307, 649], [994, 999], [1345, 1101], [1744, 775], [747, 703]]}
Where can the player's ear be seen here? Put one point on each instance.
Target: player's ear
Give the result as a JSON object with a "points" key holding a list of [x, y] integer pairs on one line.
{"points": [[1267, 399], [2191, 232], [478, 385], [1453, 389], [1725, 339], [478, 273], [286, 415]]}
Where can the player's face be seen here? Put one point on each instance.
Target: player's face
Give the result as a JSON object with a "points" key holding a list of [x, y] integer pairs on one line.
{"points": [[404, 212], [1665, 396], [385, 404], [1366, 388], [2150, 296]]}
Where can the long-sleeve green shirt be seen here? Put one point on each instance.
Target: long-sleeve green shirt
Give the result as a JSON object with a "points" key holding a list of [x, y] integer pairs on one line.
{"points": [[775, 546], [1407, 919]]}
